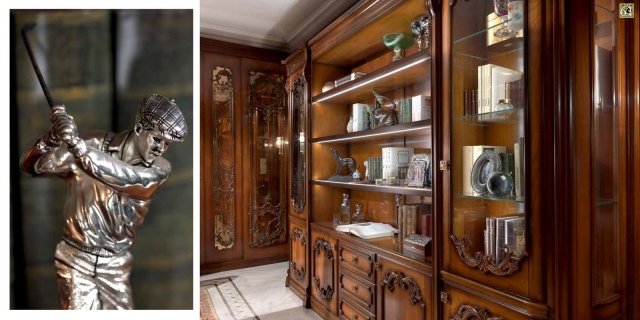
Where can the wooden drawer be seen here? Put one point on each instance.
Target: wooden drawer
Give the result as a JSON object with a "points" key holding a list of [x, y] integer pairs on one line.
{"points": [[363, 292], [356, 261], [349, 311]]}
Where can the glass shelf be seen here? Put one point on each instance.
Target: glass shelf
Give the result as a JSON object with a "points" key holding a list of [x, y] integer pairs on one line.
{"points": [[404, 190], [410, 129], [515, 115], [396, 75], [515, 199]]}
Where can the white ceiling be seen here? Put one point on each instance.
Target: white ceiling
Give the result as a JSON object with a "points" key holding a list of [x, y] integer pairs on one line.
{"points": [[273, 24]]}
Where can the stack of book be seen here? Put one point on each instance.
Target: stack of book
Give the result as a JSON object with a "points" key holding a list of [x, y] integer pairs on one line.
{"points": [[491, 85], [504, 231], [414, 228], [394, 158]]}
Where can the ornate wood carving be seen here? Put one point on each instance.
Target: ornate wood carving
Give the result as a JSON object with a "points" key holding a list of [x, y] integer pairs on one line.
{"points": [[392, 279], [223, 158], [485, 263], [297, 233], [267, 113], [320, 245], [298, 274], [298, 100], [469, 312]]}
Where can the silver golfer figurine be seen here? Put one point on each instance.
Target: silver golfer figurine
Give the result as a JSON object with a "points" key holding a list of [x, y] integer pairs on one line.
{"points": [[111, 178]]}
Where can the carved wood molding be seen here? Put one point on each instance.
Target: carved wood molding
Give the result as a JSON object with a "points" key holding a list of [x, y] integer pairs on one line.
{"points": [[298, 158], [469, 312], [223, 184], [298, 274], [322, 244], [297, 233], [324, 293], [392, 279], [485, 263]]}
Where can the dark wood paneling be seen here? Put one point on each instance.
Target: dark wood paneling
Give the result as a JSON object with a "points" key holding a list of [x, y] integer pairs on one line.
{"points": [[241, 60]]}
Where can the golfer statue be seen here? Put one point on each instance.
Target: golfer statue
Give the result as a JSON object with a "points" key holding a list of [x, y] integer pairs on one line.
{"points": [[111, 178]]}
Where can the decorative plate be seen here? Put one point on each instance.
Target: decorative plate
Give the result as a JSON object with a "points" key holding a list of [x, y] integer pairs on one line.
{"points": [[488, 162]]}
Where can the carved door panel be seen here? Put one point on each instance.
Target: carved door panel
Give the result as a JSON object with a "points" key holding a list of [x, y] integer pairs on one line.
{"points": [[324, 273], [268, 149], [221, 115], [460, 305], [298, 269], [403, 293]]}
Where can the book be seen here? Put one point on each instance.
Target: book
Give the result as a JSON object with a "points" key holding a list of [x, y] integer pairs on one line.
{"points": [[360, 117], [514, 236], [368, 230], [491, 85], [502, 232], [404, 111], [394, 158], [499, 77], [420, 108], [490, 241], [469, 156]]}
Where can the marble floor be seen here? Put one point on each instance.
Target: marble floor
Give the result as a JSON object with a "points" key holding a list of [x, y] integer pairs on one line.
{"points": [[255, 293]]}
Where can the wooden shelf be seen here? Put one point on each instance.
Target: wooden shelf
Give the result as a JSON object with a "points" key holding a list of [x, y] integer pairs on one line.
{"points": [[388, 245], [404, 190], [417, 128], [398, 74]]}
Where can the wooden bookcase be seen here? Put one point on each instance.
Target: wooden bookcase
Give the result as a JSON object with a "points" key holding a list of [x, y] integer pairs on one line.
{"points": [[577, 238]]}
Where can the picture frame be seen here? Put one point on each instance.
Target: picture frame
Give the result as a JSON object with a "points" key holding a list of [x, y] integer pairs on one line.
{"points": [[418, 170]]}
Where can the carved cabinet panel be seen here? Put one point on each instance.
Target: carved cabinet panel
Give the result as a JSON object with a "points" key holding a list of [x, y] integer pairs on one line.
{"points": [[268, 142], [324, 270], [462, 305], [403, 293], [298, 269]]}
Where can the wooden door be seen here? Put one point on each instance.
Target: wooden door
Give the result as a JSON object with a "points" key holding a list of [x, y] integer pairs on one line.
{"points": [[324, 272], [402, 292]]}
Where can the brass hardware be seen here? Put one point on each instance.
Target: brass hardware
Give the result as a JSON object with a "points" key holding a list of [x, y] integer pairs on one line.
{"points": [[354, 288], [444, 297], [445, 165]]}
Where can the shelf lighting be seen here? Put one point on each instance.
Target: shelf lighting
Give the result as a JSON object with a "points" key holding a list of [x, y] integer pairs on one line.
{"points": [[371, 135], [364, 83]]}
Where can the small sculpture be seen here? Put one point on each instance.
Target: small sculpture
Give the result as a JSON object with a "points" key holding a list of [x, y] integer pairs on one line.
{"points": [[384, 113], [343, 163], [422, 31]]}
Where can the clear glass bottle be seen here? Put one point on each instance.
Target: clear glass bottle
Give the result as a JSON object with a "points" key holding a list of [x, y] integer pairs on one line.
{"points": [[345, 209], [357, 214]]}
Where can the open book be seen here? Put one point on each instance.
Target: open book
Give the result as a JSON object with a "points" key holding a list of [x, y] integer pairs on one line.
{"points": [[368, 230]]}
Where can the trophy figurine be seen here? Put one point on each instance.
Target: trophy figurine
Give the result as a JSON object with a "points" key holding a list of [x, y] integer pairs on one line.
{"points": [[111, 179]]}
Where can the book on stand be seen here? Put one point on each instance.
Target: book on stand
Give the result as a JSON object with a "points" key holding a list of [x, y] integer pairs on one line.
{"points": [[368, 230]]}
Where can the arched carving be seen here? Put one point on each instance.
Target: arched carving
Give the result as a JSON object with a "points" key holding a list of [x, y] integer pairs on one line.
{"points": [[393, 279], [485, 263], [469, 312], [297, 273], [325, 293]]}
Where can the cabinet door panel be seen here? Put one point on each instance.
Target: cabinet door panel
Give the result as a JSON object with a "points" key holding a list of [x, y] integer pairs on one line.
{"points": [[462, 305], [324, 276], [403, 293], [298, 255]]}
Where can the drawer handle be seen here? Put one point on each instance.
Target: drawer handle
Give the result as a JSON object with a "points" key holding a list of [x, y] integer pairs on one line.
{"points": [[354, 259], [354, 288]]}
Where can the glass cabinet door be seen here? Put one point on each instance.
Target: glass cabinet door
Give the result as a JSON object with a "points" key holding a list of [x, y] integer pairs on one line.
{"points": [[488, 137]]}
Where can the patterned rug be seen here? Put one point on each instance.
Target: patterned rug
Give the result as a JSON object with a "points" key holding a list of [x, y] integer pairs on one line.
{"points": [[234, 301], [207, 312]]}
